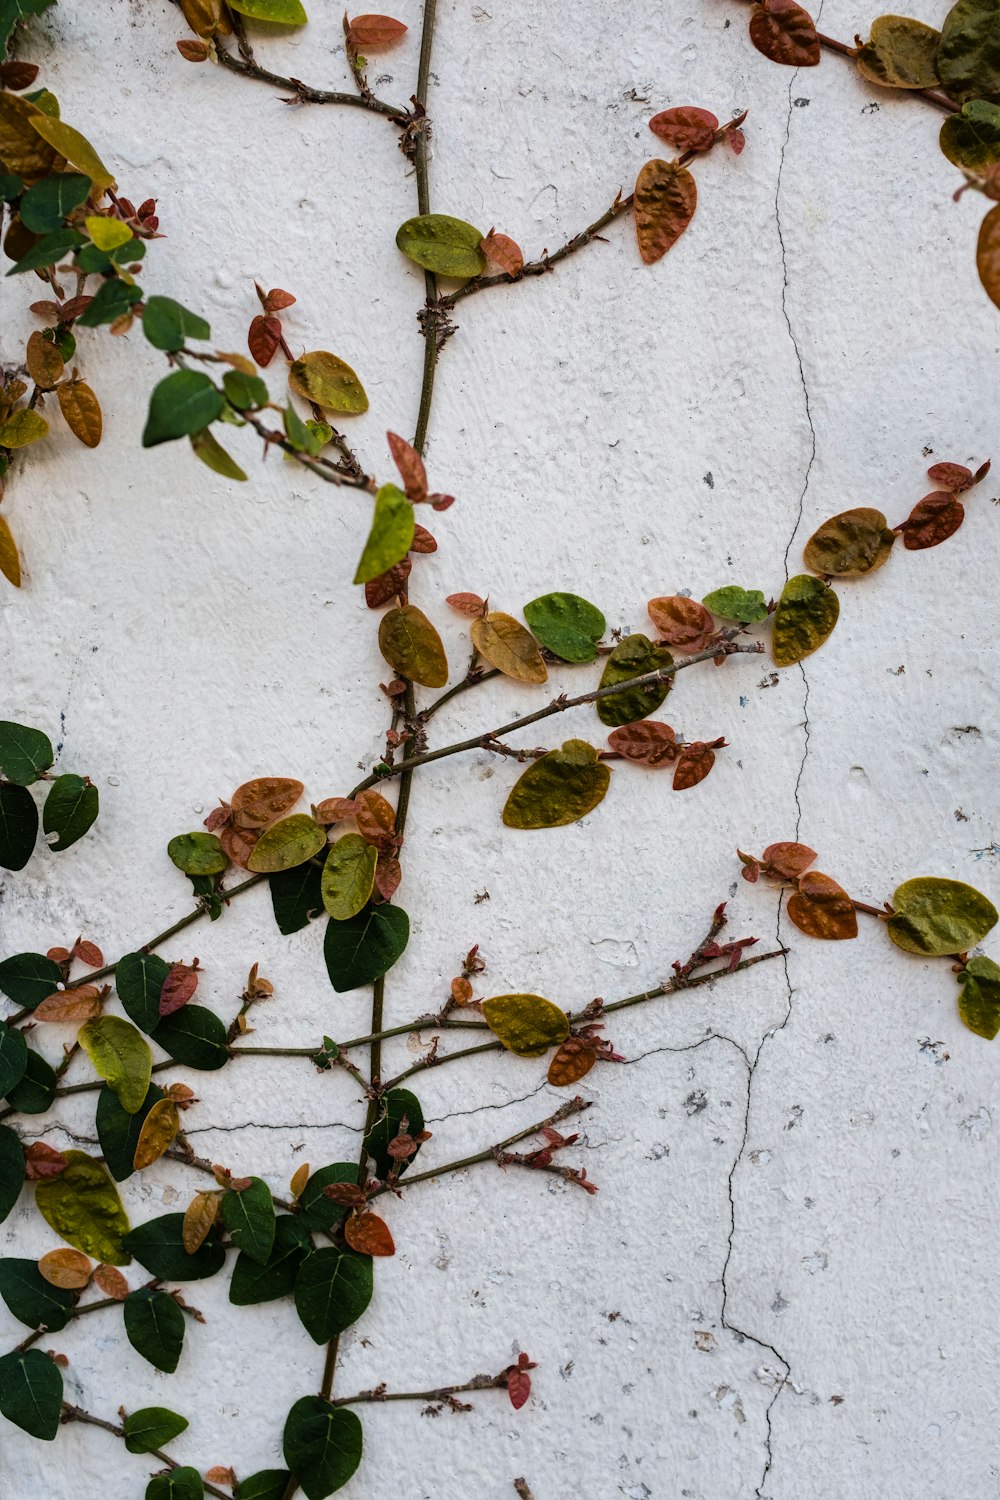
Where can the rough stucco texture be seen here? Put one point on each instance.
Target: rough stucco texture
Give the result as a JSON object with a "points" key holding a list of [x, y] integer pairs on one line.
{"points": [[798, 1168]]}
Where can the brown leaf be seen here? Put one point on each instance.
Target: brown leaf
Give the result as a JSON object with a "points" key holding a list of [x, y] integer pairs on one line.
{"points": [[666, 196], [467, 604], [58, 955], [88, 953], [336, 809], [507, 645], [178, 987], [388, 586], [260, 801], [693, 765], [369, 1235], [10, 562], [206, 17], [69, 1269], [276, 300], [422, 539], [932, 521], [47, 310], [199, 1216], [461, 990], [377, 822], [822, 909], [299, 1179], [221, 1474], [374, 32], [785, 33], [264, 339], [954, 477], [412, 646], [787, 861], [410, 466], [82, 412], [81, 1004], [17, 75], [239, 844], [179, 1093], [347, 1194], [193, 50], [681, 622], [111, 1282], [158, 1133], [45, 364], [686, 127], [74, 308], [41, 1162], [503, 252], [573, 1060], [648, 742]]}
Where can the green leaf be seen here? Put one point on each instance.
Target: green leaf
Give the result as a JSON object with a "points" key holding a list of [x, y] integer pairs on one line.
{"points": [[439, 243], [732, 603], [122, 1057], [180, 1484], [152, 1427], [12, 11], [332, 1290], [317, 1211], [113, 299], [194, 1037], [76, 148], [139, 979], [198, 854], [254, 1282], [183, 403], [18, 826], [31, 1392], [560, 787], [850, 544], [214, 456], [44, 206], [118, 1132], [22, 428], [244, 392], [154, 1325], [71, 807], [283, 12], [106, 233], [365, 947], [900, 54], [412, 646], [567, 625], [29, 978], [527, 1025], [971, 139], [13, 1058], [49, 249], [968, 59], [328, 381], [391, 534], [82, 1205], [10, 186], [939, 917], [321, 1445], [348, 876], [806, 614], [167, 324], [24, 752], [633, 657], [296, 897], [12, 1172], [249, 1217], [979, 999], [397, 1105], [33, 1300], [266, 1484], [37, 1089], [159, 1246], [287, 843]]}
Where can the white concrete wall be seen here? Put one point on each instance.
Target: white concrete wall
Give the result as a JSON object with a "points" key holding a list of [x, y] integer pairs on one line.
{"points": [[801, 1163]]}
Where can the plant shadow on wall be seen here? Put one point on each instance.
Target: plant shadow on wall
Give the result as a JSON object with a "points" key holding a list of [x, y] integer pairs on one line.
{"points": [[316, 1246]]}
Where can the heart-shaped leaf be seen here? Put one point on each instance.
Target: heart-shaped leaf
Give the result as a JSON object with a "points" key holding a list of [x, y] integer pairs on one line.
{"points": [[822, 909], [321, 1446]]}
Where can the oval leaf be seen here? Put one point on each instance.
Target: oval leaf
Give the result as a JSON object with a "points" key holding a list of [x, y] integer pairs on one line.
{"points": [[156, 1134], [806, 614], [71, 807], [683, 623], [635, 656], [561, 787], [121, 1055], [666, 196], [932, 521], [850, 544], [900, 54], [348, 876], [979, 997], [257, 803], [506, 645], [822, 909], [363, 948], [939, 916], [412, 646], [732, 603], [527, 1025], [327, 381], [968, 57], [568, 626], [198, 854], [82, 1205], [391, 534], [439, 243], [785, 33], [287, 843]]}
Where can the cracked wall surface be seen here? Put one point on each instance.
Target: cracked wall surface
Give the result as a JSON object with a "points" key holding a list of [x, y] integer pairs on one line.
{"points": [[785, 1288]]}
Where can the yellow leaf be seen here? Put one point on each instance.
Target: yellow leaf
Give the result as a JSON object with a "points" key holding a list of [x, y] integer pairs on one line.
{"points": [[107, 234], [299, 1179], [199, 1216], [10, 563], [506, 645], [76, 148], [21, 428], [159, 1130], [329, 382], [82, 412], [526, 1024], [69, 1269], [45, 363]]}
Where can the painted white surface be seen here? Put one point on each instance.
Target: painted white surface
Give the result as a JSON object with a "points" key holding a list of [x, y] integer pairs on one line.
{"points": [[817, 330]]}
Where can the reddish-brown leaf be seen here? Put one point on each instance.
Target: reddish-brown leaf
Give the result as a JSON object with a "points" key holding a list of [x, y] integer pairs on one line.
{"points": [[180, 1094], [335, 810], [17, 75], [503, 252], [347, 1194], [373, 32], [111, 1282], [276, 299], [388, 874], [751, 867], [461, 990], [422, 539], [410, 466], [518, 1387], [693, 765], [647, 742], [388, 586], [686, 127], [377, 822], [193, 49], [74, 307], [81, 1004], [88, 953], [369, 1235], [264, 339], [983, 470], [785, 33], [932, 521], [41, 1161], [178, 987], [737, 141], [666, 196], [573, 1060], [239, 844], [954, 477], [199, 1216], [467, 604], [50, 311], [988, 254], [259, 802], [69, 1269], [681, 622], [221, 1474], [822, 909], [787, 861], [58, 955]]}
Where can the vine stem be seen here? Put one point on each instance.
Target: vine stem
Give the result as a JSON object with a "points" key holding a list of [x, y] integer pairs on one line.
{"points": [[302, 93], [727, 647], [431, 314], [72, 1413], [443, 1393]]}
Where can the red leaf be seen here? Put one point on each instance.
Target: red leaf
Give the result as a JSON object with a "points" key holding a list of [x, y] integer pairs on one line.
{"points": [[277, 299], [785, 33], [467, 604], [178, 987], [387, 586], [410, 466], [369, 1235], [681, 622], [89, 954], [686, 127], [263, 339], [737, 140], [193, 49], [787, 861], [17, 75], [388, 874], [41, 1161], [648, 742], [74, 307], [983, 470], [693, 766], [503, 252], [58, 955], [932, 521], [518, 1387], [422, 539], [441, 502], [954, 477], [374, 31]]}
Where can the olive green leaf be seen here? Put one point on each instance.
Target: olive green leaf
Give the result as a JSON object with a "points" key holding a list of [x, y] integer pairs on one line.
{"points": [[900, 54], [22, 428], [31, 1392], [412, 646], [82, 1205], [806, 614], [212, 454], [566, 625], [391, 534], [332, 1290], [18, 826], [44, 206], [979, 999], [939, 916], [71, 807], [183, 403], [526, 1024], [733, 603], [167, 324], [321, 1445], [198, 854], [328, 381], [121, 1055], [154, 1326], [850, 544], [363, 948], [76, 148], [282, 12], [968, 59], [287, 843], [348, 876], [24, 752], [152, 1427], [439, 243], [633, 657], [561, 787], [971, 139], [505, 644]]}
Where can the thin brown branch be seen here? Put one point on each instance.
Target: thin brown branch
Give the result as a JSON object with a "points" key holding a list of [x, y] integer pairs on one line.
{"points": [[304, 93], [72, 1413], [443, 1393]]}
